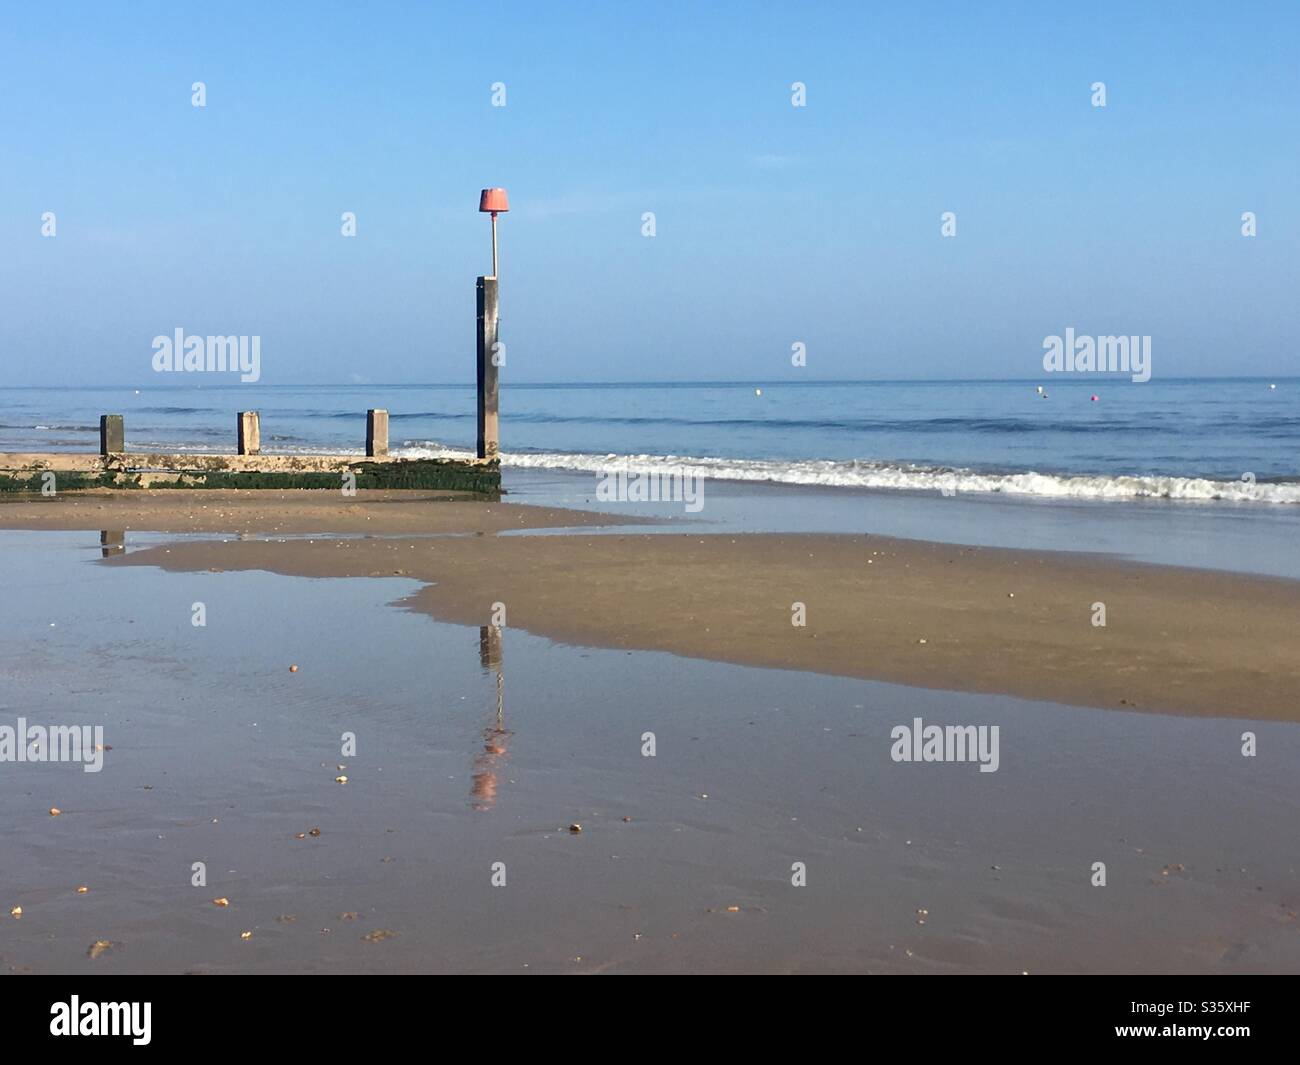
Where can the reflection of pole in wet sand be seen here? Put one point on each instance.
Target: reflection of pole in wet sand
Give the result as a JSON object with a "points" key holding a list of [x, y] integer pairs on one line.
{"points": [[488, 764], [111, 542]]}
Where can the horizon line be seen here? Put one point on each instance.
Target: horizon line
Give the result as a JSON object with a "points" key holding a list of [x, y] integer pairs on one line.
{"points": [[1061, 379]]}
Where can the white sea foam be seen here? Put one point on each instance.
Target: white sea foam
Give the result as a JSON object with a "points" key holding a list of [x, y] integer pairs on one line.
{"points": [[900, 477]]}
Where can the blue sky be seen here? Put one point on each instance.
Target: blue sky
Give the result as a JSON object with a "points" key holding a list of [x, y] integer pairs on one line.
{"points": [[775, 224]]}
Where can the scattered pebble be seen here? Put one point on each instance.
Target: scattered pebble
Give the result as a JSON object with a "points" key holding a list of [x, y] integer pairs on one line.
{"points": [[221, 902], [293, 669], [82, 889], [17, 911], [99, 947], [55, 811], [340, 780], [378, 935], [245, 935], [575, 828]]}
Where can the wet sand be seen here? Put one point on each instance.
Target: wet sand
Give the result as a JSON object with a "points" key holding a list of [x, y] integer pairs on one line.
{"points": [[474, 750], [290, 512], [909, 612]]}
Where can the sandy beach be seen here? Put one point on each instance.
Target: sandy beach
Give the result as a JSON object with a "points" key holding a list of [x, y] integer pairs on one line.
{"points": [[921, 614], [478, 752]]}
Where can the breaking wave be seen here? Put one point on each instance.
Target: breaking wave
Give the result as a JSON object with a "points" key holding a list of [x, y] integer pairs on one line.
{"points": [[900, 476]]}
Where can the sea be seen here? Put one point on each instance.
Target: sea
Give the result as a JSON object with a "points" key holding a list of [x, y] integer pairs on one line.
{"points": [[1192, 439]]}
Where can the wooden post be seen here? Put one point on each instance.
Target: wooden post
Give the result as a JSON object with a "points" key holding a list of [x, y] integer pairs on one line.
{"points": [[250, 433], [112, 434], [111, 542], [376, 433], [489, 646], [489, 437]]}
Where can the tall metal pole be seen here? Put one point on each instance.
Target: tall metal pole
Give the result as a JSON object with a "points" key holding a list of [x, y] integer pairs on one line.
{"points": [[490, 201], [494, 244]]}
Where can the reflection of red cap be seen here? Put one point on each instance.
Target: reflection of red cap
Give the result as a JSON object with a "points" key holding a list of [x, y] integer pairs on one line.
{"points": [[493, 200]]}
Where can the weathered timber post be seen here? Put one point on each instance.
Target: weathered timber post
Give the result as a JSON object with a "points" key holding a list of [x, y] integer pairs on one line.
{"points": [[376, 433], [250, 433], [489, 646], [111, 542], [112, 434], [489, 433]]}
